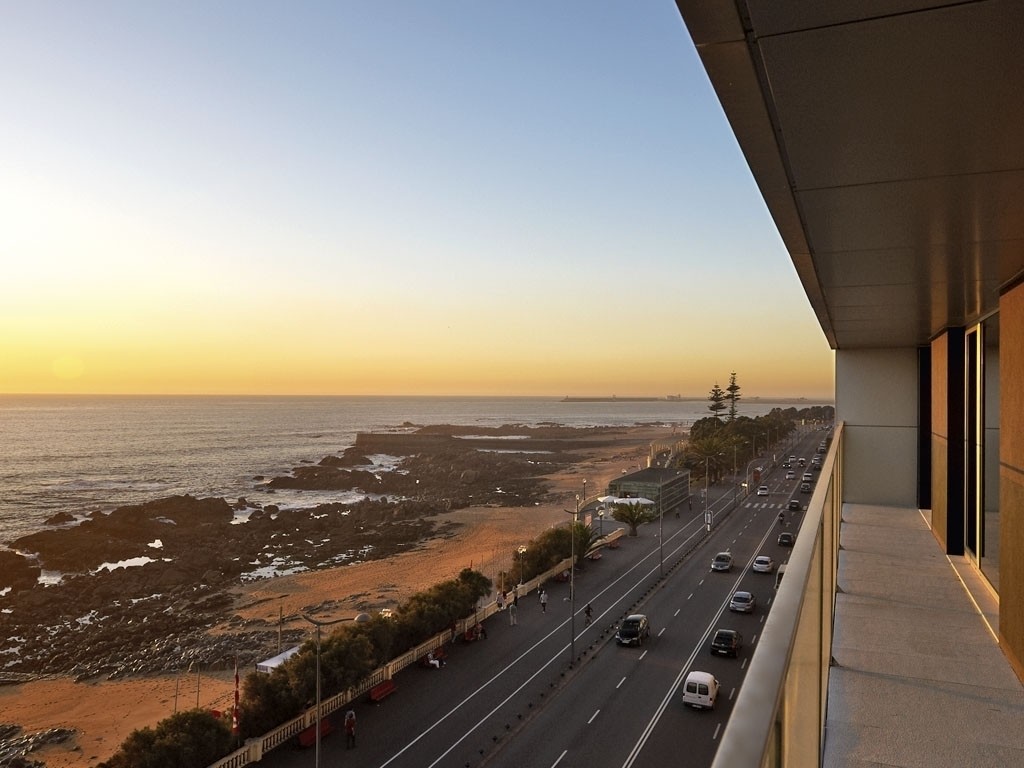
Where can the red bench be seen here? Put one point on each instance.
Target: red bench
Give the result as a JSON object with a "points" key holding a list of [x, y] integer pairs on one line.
{"points": [[307, 736], [381, 691]]}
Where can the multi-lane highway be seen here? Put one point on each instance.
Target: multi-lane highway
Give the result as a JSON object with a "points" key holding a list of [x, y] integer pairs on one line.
{"points": [[518, 699]]}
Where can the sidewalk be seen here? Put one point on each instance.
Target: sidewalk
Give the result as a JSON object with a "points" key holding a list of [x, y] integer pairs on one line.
{"points": [[919, 679]]}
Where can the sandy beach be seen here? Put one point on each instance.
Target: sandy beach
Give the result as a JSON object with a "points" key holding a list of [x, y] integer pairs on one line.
{"points": [[104, 713]]}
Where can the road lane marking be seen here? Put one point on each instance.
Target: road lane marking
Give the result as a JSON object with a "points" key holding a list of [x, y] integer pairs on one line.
{"points": [[564, 753], [593, 717], [718, 730], [620, 683]]}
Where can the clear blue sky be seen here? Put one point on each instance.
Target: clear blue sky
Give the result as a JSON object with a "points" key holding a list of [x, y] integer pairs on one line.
{"points": [[382, 198]]}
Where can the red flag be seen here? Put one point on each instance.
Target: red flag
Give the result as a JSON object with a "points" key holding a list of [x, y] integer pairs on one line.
{"points": [[234, 713]]}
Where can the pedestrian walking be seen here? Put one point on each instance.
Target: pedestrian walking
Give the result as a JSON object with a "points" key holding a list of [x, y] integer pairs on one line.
{"points": [[515, 596], [544, 601], [589, 613], [350, 729], [500, 600], [512, 610]]}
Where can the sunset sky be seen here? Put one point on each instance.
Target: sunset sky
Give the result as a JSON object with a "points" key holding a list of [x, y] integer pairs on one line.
{"points": [[459, 198]]}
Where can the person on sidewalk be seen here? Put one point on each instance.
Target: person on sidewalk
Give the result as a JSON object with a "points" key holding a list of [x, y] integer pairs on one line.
{"points": [[589, 613], [544, 601], [350, 729]]}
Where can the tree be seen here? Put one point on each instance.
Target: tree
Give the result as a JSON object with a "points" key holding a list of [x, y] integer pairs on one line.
{"points": [[717, 398], [586, 537], [733, 395], [633, 515], [191, 739]]}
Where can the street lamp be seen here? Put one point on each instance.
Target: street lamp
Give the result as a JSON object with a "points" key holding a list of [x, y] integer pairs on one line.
{"points": [[584, 491], [600, 517], [522, 553], [572, 583], [361, 618]]}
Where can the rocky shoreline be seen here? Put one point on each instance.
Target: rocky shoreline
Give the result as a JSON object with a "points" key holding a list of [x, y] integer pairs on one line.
{"points": [[178, 609]]}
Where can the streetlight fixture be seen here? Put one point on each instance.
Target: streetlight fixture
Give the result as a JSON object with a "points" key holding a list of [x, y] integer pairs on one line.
{"points": [[600, 517], [522, 553], [361, 618]]}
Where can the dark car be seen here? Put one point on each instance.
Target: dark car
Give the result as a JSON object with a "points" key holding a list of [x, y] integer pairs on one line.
{"points": [[794, 504], [805, 487], [786, 539], [727, 642], [633, 630]]}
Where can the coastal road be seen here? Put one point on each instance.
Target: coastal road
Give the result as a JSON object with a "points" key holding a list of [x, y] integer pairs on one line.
{"points": [[515, 700]]}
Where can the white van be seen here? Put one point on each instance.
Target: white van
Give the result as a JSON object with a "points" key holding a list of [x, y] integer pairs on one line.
{"points": [[700, 690]]}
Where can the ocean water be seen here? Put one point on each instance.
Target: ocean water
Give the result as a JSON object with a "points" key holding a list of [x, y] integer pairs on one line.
{"points": [[78, 454]]}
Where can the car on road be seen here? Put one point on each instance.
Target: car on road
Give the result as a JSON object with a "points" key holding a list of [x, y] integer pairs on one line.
{"points": [[786, 539], [763, 564], [786, 465], [726, 642], [794, 504], [700, 690], [762, 490], [805, 487], [791, 475], [742, 602], [808, 477], [633, 630], [722, 562]]}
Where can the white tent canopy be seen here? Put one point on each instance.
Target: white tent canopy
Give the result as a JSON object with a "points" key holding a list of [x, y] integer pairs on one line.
{"points": [[609, 501], [271, 664]]}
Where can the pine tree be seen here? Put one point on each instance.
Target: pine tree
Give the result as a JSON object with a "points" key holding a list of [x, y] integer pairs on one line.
{"points": [[717, 398], [732, 395]]}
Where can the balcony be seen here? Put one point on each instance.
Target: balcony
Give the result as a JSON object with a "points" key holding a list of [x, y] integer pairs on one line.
{"points": [[879, 650]]}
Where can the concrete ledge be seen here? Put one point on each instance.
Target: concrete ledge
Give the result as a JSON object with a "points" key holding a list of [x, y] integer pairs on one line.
{"points": [[920, 679]]}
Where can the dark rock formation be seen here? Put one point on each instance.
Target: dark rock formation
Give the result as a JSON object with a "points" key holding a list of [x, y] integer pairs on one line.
{"points": [[157, 617]]}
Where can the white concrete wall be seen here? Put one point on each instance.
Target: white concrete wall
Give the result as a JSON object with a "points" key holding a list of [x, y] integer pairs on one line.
{"points": [[877, 397]]}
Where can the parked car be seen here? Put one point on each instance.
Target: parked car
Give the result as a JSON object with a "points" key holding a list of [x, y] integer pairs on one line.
{"points": [[722, 562], [794, 504], [700, 690], [763, 564], [633, 630], [786, 539], [743, 602], [727, 642], [762, 490]]}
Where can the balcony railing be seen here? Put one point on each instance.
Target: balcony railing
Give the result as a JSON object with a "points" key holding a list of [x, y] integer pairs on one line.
{"points": [[779, 716]]}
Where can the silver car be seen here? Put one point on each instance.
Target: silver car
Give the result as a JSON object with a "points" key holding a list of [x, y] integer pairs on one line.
{"points": [[742, 602]]}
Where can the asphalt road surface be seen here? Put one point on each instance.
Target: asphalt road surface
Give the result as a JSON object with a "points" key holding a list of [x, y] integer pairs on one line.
{"points": [[531, 696]]}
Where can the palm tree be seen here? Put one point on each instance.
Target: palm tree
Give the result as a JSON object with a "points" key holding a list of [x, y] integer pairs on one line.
{"points": [[632, 515]]}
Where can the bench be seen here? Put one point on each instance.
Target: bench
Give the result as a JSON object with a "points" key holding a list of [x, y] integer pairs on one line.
{"points": [[307, 736], [439, 653], [381, 691]]}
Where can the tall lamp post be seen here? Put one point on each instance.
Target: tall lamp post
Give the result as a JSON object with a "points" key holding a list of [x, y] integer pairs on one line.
{"points": [[522, 552], [572, 583], [362, 617], [661, 538]]}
